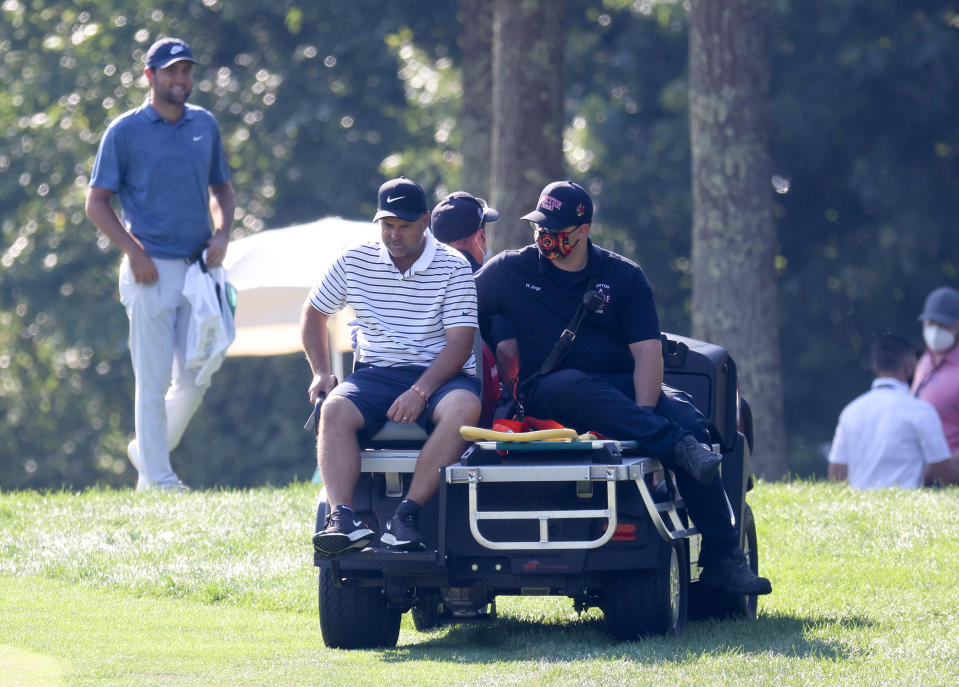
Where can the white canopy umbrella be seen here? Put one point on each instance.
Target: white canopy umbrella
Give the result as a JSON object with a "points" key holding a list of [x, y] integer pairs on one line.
{"points": [[273, 272]]}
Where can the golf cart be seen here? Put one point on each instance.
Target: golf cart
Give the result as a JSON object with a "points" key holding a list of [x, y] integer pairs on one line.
{"points": [[594, 520]]}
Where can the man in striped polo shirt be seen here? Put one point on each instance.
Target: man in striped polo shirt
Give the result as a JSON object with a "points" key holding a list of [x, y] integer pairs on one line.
{"points": [[415, 305]]}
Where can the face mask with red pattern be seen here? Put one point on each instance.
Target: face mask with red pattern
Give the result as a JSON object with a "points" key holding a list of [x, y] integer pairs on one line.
{"points": [[553, 244]]}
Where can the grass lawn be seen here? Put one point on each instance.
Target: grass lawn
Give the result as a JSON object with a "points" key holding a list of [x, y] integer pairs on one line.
{"points": [[218, 588]]}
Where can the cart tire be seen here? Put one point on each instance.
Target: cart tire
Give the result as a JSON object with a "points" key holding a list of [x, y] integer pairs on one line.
{"points": [[426, 613], [354, 616], [710, 603], [648, 602]]}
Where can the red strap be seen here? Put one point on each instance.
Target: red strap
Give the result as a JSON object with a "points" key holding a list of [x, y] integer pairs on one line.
{"points": [[514, 426], [536, 423], [528, 424]]}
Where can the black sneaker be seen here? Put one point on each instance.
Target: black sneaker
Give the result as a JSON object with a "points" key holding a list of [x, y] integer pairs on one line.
{"points": [[734, 576], [402, 530], [342, 532]]}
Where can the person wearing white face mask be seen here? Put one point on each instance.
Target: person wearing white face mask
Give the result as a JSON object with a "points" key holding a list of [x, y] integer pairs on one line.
{"points": [[937, 374]]}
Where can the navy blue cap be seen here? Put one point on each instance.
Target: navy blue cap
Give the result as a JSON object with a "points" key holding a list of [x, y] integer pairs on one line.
{"points": [[942, 306], [562, 204], [166, 51], [402, 198], [460, 215]]}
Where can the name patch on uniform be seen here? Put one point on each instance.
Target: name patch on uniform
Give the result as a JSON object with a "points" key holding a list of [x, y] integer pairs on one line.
{"points": [[604, 291]]}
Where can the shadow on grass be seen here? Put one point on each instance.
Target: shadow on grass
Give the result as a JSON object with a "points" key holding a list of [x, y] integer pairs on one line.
{"points": [[586, 639]]}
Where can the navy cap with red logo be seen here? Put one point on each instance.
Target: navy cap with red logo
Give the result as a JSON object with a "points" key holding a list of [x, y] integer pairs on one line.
{"points": [[460, 215], [401, 197], [562, 204]]}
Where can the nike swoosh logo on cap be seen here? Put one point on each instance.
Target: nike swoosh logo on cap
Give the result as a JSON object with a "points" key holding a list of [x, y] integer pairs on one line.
{"points": [[390, 199], [175, 49]]}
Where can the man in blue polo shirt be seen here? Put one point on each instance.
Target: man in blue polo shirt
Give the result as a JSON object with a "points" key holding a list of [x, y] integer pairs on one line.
{"points": [[165, 162], [611, 380]]}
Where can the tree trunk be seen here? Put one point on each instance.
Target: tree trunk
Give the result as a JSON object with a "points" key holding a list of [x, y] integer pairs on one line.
{"points": [[734, 236], [476, 44], [527, 111]]}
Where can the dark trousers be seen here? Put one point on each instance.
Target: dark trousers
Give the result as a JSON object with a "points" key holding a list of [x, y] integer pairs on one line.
{"points": [[605, 403]]}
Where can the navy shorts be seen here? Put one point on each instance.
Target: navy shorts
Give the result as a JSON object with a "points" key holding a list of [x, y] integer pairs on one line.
{"points": [[373, 390]]}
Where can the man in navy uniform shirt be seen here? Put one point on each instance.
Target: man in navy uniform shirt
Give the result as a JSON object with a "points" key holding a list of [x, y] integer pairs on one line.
{"points": [[611, 380]]}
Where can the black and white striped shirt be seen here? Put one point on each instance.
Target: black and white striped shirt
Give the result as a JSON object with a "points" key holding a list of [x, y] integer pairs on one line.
{"points": [[401, 318]]}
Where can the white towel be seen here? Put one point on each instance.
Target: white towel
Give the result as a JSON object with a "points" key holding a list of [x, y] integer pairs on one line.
{"points": [[211, 329]]}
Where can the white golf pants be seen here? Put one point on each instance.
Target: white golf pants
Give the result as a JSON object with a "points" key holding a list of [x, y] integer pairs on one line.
{"points": [[167, 395]]}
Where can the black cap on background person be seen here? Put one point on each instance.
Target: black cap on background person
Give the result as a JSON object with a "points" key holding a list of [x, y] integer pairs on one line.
{"points": [[460, 215]]}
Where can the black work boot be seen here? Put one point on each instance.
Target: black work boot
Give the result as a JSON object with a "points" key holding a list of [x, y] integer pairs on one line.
{"points": [[734, 576], [696, 459]]}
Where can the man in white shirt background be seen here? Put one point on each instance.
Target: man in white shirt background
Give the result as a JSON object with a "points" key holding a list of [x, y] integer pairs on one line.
{"points": [[886, 437]]}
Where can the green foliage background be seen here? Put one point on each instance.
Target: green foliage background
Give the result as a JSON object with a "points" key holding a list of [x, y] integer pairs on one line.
{"points": [[319, 101]]}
